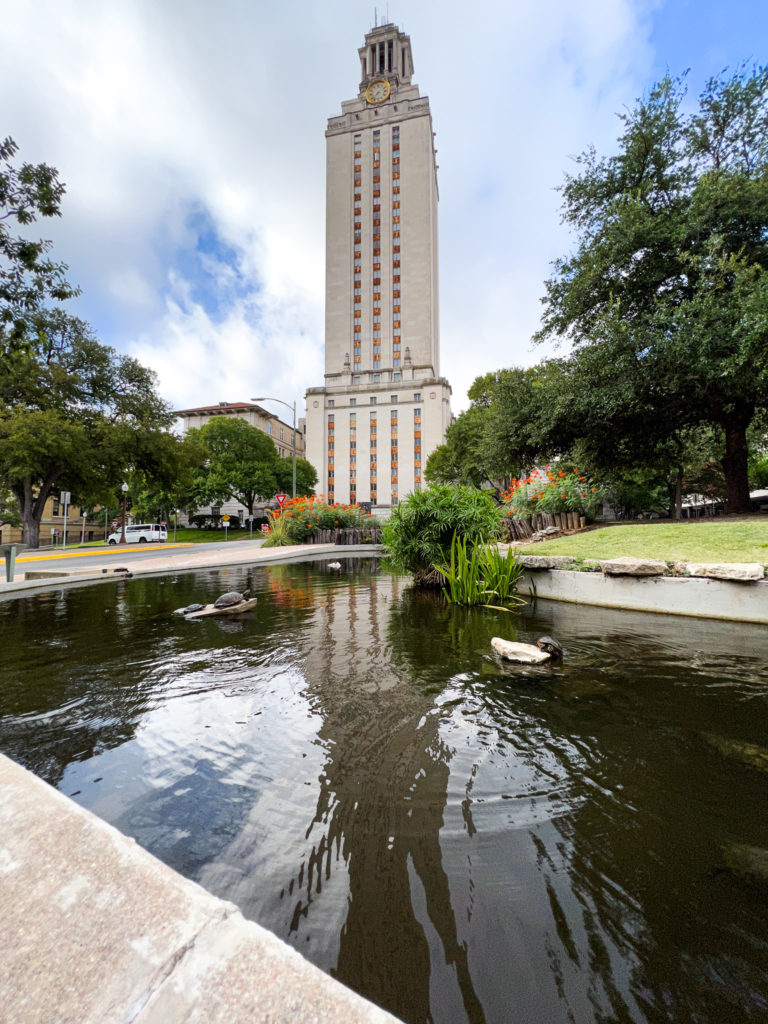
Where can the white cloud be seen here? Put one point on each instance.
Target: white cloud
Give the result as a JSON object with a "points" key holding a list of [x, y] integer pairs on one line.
{"points": [[156, 113]]}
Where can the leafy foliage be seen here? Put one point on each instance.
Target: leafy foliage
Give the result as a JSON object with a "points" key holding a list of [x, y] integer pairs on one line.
{"points": [[420, 530], [477, 573], [76, 415], [240, 462], [665, 299], [28, 278], [302, 516], [561, 489], [306, 476]]}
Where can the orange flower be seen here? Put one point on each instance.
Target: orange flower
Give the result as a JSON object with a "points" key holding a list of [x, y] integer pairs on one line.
{"points": [[561, 473]]}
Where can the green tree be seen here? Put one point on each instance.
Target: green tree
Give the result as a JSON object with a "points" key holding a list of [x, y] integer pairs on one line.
{"points": [[241, 462], [664, 298], [75, 415], [306, 476], [29, 279], [462, 458]]}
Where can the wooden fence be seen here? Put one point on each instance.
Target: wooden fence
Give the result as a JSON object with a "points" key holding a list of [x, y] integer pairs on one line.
{"points": [[524, 529], [368, 535]]}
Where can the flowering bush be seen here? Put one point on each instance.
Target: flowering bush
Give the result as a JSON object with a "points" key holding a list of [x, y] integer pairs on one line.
{"points": [[301, 516], [553, 490]]}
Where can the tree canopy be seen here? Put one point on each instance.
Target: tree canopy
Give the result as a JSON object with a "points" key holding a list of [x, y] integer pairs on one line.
{"points": [[241, 462], [665, 298], [76, 415], [28, 277]]}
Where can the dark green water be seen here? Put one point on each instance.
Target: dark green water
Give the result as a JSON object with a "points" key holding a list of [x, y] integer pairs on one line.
{"points": [[456, 840]]}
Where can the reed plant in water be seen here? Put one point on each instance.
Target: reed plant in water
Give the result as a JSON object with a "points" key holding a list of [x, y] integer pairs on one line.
{"points": [[475, 574]]}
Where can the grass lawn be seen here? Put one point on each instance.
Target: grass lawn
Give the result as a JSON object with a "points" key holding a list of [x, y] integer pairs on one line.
{"points": [[695, 540], [193, 536]]}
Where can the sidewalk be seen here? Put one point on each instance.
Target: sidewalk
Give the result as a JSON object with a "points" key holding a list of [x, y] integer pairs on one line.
{"points": [[241, 553]]}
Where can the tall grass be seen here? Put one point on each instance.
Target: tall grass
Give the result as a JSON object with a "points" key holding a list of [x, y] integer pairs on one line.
{"points": [[475, 574]]}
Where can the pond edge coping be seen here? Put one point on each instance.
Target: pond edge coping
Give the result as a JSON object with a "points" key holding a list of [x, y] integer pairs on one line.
{"points": [[96, 929]]}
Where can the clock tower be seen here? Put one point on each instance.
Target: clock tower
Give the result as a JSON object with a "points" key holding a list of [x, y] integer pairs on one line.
{"points": [[383, 406]]}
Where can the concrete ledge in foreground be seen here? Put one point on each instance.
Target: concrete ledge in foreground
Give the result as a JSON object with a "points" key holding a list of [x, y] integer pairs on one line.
{"points": [[95, 930], [670, 595]]}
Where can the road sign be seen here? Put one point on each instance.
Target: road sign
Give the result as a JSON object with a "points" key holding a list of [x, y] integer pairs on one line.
{"points": [[64, 497], [225, 519], [281, 499]]}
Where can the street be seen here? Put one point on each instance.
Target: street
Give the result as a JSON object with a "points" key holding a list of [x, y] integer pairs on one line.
{"points": [[164, 555]]}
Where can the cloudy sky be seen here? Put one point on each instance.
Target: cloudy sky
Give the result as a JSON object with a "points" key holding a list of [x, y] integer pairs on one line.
{"points": [[190, 136]]}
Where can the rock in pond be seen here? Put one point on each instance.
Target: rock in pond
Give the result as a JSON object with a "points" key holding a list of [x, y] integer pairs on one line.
{"points": [[525, 654]]}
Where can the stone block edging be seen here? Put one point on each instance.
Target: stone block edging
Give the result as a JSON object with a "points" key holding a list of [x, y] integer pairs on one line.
{"points": [[96, 930]]}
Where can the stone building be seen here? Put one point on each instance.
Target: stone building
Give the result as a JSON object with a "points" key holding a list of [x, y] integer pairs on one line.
{"points": [[383, 406]]}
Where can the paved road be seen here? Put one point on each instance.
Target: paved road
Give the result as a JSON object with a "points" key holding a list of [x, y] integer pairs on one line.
{"points": [[77, 560]]}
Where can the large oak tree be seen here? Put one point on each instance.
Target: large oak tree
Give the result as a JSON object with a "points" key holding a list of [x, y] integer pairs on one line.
{"points": [[664, 299]]}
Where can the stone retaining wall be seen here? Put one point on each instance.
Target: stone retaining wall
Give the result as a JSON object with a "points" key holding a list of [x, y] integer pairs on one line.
{"points": [[716, 591]]}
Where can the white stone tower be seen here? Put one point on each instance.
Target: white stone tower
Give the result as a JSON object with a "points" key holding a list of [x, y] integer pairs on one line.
{"points": [[383, 407]]}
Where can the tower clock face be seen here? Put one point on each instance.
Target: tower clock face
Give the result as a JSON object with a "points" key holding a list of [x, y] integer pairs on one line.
{"points": [[377, 92]]}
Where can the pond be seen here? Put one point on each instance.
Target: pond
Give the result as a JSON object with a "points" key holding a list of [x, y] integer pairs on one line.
{"points": [[456, 839]]}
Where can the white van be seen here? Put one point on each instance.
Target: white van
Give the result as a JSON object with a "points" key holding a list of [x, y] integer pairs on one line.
{"points": [[141, 533]]}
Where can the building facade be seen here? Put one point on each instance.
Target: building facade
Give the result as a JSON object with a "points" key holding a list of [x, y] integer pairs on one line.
{"points": [[383, 406]]}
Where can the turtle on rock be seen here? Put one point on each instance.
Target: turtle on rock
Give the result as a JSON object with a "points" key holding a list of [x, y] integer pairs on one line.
{"points": [[231, 598]]}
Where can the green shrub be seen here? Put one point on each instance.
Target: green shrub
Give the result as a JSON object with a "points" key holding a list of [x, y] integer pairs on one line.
{"points": [[420, 531], [279, 532]]}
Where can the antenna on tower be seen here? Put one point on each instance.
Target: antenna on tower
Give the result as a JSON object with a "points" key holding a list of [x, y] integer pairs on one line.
{"points": [[375, 18]]}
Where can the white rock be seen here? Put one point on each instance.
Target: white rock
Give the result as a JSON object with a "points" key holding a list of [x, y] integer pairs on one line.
{"points": [[746, 572], [547, 561], [627, 566], [527, 654]]}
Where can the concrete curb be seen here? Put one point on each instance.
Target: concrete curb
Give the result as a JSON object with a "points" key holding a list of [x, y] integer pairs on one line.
{"points": [[96, 931], [667, 595], [191, 562]]}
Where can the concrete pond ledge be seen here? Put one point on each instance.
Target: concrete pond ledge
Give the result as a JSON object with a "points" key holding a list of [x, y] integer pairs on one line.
{"points": [[95, 930], [703, 597]]}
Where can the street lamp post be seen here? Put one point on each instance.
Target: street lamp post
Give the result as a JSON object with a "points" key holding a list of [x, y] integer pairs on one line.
{"points": [[289, 406], [124, 489]]}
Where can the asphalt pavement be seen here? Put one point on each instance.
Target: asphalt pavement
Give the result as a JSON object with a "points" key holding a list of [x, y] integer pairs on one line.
{"points": [[46, 568]]}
